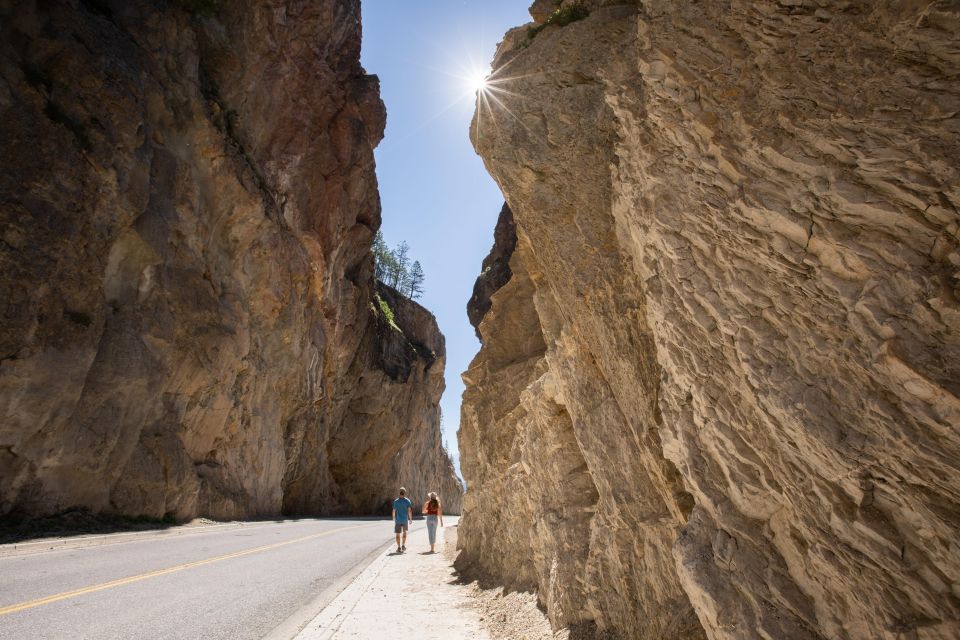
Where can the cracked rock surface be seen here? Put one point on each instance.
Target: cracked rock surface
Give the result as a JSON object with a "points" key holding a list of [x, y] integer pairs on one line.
{"points": [[718, 394], [187, 328]]}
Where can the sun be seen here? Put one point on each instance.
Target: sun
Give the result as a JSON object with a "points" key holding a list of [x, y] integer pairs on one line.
{"points": [[491, 92], [478, 81]]}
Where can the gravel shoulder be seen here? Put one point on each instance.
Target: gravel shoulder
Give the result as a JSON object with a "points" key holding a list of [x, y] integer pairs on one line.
{"points": [[506, 615]]}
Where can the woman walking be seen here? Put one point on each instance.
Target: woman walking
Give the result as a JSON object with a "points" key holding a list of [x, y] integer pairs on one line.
{"points": [[433, 510]]}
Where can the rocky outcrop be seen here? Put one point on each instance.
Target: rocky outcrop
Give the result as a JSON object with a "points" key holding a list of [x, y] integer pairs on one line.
{"points": [[495, 270], [718, 396], [396, 408], [189, 203]]}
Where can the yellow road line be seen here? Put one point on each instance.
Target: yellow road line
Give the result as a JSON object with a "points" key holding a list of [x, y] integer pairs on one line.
{"points": [[161, 572]]}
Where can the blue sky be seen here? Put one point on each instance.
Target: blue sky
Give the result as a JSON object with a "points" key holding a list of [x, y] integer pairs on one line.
{"points": [[436, 194]]}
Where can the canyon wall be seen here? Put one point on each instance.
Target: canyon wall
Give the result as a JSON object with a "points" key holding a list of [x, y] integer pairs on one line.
{"points": [[390, 436], [189, 319], [717, 394]]}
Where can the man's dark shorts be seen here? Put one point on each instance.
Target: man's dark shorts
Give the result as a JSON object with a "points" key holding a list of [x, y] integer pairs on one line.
{"points": [[399, 526]]}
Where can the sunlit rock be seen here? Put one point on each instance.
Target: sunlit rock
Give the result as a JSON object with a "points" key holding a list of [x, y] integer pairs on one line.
{"points": [[718, 396], [188, 324]]}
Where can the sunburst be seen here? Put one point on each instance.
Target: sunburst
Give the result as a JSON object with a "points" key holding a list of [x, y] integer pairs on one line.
{"points": [[477, 81], [492, 92]]}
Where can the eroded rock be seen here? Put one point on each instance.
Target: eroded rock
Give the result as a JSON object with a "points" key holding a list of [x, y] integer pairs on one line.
{"points": [[189, 203], [718, 395]]}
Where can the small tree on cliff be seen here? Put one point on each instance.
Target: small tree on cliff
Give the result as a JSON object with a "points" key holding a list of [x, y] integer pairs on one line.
{"points": [[383, 259], [400, 273], [415, 284], [392, 267]]}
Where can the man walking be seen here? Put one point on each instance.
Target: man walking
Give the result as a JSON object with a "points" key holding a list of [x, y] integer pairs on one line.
{"points": [[402, 515]]}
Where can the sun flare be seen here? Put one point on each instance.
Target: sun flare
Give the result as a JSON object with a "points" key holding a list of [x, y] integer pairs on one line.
{"points": [[478, 81], [493, 93]]}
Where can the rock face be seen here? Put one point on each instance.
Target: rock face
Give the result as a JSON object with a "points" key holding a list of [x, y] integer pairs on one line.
{"points": [[495, 271], [187, 292], [396, 407], [718, 394]]}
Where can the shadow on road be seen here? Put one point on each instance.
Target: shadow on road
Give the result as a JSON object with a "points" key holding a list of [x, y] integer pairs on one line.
{"points": [[75, 522], [80, 522]]}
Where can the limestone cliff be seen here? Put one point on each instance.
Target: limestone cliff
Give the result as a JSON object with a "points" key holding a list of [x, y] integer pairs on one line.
{"points": [[718, 394], [187, 294]]}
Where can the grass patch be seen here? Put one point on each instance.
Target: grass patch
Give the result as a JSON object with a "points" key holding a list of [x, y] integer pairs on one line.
{"points": [[561, 18], [387, 312]]}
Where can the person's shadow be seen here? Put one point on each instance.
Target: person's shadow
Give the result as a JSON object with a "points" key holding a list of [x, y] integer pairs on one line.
{"points": [[427, 553], [395, 553]]}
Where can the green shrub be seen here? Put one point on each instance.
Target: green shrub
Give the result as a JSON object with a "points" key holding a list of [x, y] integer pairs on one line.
{"points": [[561, 18], [564, 16], [387, 312]]}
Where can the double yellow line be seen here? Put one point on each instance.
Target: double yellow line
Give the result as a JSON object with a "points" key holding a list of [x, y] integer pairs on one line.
{"points": [[14, 608]]}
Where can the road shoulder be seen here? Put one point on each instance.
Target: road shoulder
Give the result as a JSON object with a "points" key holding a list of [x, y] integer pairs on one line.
{"points": [[401, 594], [420, 593]]}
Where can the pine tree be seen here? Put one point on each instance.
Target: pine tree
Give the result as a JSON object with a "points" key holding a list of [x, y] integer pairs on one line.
{"points": [[381, 257], [392, 267], [402, 255], [404, 285], [415, 286]]}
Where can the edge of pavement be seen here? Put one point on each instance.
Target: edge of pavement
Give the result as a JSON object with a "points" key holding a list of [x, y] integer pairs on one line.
{"points": [[299, 619], [417, 584], [42, 545], [30, 547]]}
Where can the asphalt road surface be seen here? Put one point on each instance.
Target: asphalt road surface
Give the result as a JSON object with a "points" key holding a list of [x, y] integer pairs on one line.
{"points": [[226, 581]]}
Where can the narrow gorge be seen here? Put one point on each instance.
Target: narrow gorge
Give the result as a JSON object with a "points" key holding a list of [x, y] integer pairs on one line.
{"points": [[718, 389], [718, 394], [190, 325]]}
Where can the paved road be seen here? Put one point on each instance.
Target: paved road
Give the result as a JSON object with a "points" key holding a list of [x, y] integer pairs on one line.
{"points": [[227, 582]]}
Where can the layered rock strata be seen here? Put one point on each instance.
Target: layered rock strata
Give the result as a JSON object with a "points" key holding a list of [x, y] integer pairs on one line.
{"points": [[718, 393], [189, 201]]}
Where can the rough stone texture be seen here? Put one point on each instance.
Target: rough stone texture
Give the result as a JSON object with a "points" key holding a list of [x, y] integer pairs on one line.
{"points": [[723, 378], [396, 406], [540, 10], [188, 207], [495, 270]]}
